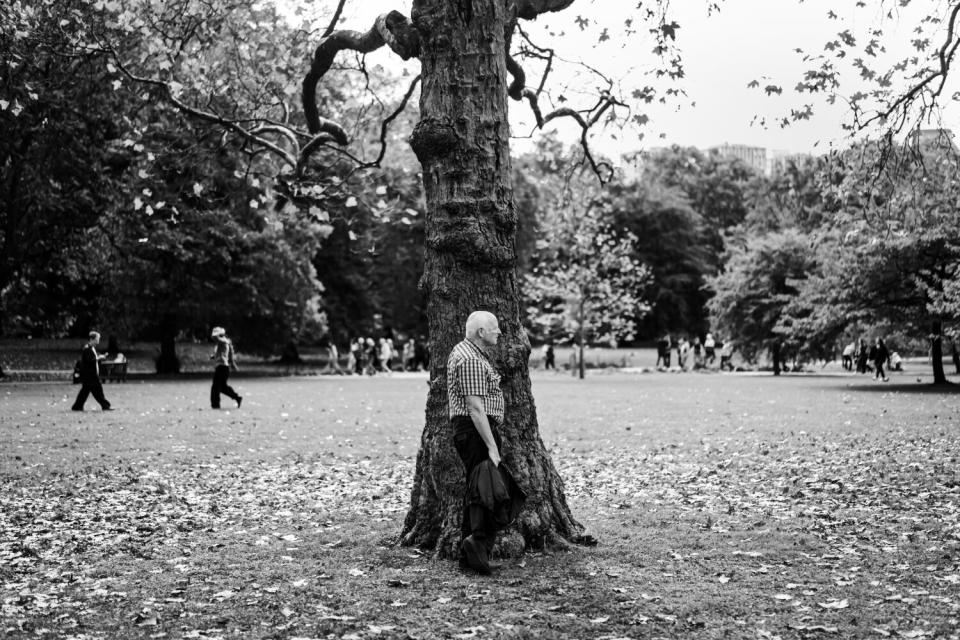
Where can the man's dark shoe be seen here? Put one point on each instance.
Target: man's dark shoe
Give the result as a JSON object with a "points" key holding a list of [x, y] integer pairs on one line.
{"points": [[76, 408], [476, 555], [239, 401]]}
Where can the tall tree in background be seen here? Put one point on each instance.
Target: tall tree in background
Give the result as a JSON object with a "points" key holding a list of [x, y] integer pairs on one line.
{"points": [[60, 169], [670, 241], [196, 248], [760, 278], [586, 284], [714, 185]]}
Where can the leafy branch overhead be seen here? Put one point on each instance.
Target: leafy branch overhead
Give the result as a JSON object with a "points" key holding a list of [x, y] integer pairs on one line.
{"points": [[891, 81]]}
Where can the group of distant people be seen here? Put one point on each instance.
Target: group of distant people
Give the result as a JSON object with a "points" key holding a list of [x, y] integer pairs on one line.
{"points": [[367, 356], [861, 355], [693, 354]]}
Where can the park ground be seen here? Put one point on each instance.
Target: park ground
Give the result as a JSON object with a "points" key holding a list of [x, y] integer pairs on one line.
{"points": [[725, 506]]}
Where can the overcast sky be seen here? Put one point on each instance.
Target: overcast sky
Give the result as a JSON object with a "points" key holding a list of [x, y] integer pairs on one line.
{"points": [[722, 53]]}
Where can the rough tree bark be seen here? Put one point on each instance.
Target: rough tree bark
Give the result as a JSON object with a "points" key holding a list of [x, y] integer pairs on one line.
{"points": [[462, 142]]}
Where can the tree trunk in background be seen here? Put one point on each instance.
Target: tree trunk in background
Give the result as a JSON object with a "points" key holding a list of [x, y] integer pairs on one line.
{"points": [[777, 362], [936, 352], [167, 361], [580, 339], [462, 142]]}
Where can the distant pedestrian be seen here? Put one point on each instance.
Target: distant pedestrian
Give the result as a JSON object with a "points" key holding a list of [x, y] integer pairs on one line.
{"points": [[224, 359], [333, 359], [726, 355], [386, 355], [409, 354], [89, 372], [549, 358], [709, 350], [683, 353], [862, 355], [847, 356], [664, 345], [697, 353], [351, 358], [879, 355]]}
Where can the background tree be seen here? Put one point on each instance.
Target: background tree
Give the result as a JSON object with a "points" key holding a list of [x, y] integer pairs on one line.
{"points": [[669, 240], [760, 279], [586, 284], [59, 169], [713, 184], [195, 247], [891, 251]]}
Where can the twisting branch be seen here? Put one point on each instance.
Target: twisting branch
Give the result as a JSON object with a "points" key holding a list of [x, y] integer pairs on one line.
{"points": [[392, 29], [211, 117], [945, 57], [385, 125], [517, 91], [606, 102]]}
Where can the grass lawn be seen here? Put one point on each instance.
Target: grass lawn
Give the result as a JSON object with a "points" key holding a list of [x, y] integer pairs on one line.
{"points": [[726, 506]]}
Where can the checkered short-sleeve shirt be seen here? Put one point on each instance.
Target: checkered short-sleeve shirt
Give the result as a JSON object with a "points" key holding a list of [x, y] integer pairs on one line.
{"points": [[469, 373]]}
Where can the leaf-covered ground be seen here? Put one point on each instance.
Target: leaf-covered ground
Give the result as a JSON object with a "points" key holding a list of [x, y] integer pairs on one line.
{"points": [[726, 506]]}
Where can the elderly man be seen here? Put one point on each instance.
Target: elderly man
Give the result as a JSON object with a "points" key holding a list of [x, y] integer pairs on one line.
{"points": [[476, 409], [90, 375]]}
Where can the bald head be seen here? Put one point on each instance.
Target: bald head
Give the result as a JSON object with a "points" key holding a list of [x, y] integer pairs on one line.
{"points": [[483, 329]]}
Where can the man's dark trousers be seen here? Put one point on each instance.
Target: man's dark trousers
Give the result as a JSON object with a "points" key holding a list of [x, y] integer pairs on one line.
{"points": [[220, 376], [90, 385], [477, 521]]}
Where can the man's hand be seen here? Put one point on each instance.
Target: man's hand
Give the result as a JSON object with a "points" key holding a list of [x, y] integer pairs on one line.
{"points": [[494, 456]]}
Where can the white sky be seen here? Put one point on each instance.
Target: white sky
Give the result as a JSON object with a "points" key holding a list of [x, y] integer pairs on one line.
{"points": [[722, 53]]}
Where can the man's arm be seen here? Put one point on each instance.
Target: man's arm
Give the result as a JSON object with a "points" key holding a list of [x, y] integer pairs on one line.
{"points": [[479, 417]]}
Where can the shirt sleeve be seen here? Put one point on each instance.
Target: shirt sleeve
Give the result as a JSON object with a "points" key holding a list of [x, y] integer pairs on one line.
{"points": [[473, 378]]}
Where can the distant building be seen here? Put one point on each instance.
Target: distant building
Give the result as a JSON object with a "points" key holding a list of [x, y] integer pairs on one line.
{"points": [[926, 138], [769, 162]]}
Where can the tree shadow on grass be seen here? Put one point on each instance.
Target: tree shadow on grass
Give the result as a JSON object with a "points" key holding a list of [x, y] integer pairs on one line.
{"points": [[907, 387]]}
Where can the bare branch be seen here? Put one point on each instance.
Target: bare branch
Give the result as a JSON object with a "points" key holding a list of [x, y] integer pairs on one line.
{"points": [[392, 29], [385, 125], [945, 57], [603, 170]]}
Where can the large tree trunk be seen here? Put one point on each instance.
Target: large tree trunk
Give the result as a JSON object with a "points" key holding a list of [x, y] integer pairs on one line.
{"points": [[462, 142], [936, 352]]}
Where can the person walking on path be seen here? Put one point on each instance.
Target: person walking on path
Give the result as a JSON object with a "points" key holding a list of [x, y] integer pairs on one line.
{"points": [[879, 354], [224, 360], [476, 408], [90, 375], [549, 359]]}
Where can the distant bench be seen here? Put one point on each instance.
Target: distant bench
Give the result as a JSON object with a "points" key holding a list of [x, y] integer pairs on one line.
{"points": [[111, 370]]}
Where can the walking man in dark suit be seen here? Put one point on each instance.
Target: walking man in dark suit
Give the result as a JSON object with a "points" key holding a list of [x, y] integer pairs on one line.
{"points": [[90, 375]]}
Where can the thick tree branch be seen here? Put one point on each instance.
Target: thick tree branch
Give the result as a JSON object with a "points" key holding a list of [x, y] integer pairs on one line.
{"points": [[530, 9], [392, 29]]}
